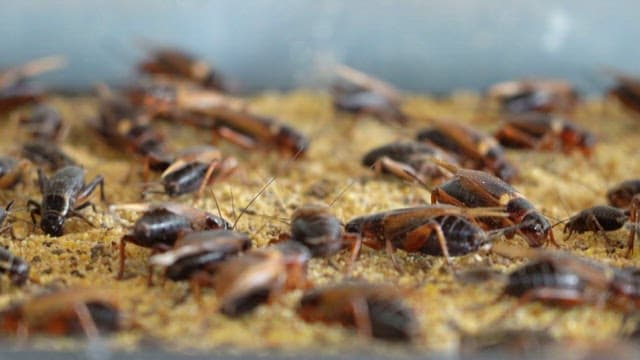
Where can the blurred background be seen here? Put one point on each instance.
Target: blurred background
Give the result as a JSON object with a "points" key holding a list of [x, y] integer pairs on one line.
{"points": [[427, 46]]}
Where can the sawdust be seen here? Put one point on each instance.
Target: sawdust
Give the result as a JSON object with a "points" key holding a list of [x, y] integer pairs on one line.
{"points": [[559, 185]]}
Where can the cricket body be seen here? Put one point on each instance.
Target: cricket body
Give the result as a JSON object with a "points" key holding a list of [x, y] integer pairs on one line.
{"points": [[243, 283], [597, 219], [30, 69], [317, 228], [162, 224], [409, 160], [15, 90], [551, 280], [44, 124], [535, 95], [564, 279], [197, 256], [64, 312], [226, 116], [472, 188], [178, 64], [622, 195], [375, 310], [14, 267], [362, 94], [480, 150], [252, 130], [46, 154], [63, 195], [18, 95], [124, 126], [439, 230], [626, 91], [625, 287], [11, 171], [194, 168], [543, 132], [363, 103]]}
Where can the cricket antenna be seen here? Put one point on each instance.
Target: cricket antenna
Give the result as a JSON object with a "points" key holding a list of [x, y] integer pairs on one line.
{"points": [[445, 165], [561, 221], [342, 192], [270, 217], [265, 186], [494, 234], [415, 177], [449, 167], [215, 200], [233, 208], [9, 205], [262, 190], [10, 209]]}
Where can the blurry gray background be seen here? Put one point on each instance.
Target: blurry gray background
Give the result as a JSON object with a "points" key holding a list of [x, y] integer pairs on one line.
{"points": [[436, 45]]}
